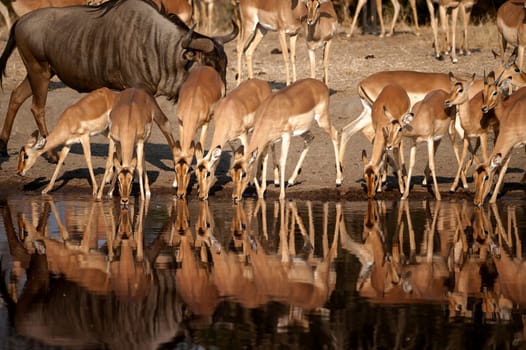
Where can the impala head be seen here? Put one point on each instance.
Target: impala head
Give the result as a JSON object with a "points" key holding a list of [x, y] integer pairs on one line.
{"points": [[494, 89], [458, 92], [371, 176], [125, 178], [511, 70], [29, 153], [183, 168], [313, 10], [205, 169], [483, 178], [240, 171]]}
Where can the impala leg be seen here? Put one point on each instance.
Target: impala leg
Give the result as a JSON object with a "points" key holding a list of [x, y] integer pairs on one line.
{"points": [[307, 140], [359, 7], [431, 154], [86, 147], [444, 22], [454, 18], [143, 178], [312, 62], [396, 162], [412, 157], [292, 41], [262, 170], [324, 122], [520, 53], [500, 180], [460, 165], [245, 44], [7, 18], [18, 96], [275, 164], [285, 143], [204, 132], [362, 122], [285, 53], [434, 27], [108, 168], [63, 154], [326, 50], [415, 16], [380, 17], [396, 6], [473, 152], [466, 16]]}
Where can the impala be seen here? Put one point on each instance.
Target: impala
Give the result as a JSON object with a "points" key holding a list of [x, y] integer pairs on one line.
{"points": [[305, 101], [512, 134], [320, 28], [473, 121], [87, 117], [396, 5], [430, 123], [417, 85], [131, 121], [259, 16], [233, 119], [198, 94], [392, 104], [453, 7], [511, 27]]}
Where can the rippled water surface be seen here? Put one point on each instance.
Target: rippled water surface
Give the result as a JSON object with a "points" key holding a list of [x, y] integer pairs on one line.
{"points": [[172, 274]]}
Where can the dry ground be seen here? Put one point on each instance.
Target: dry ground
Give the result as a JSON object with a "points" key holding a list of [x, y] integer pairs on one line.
{"points": [[352, 59]]}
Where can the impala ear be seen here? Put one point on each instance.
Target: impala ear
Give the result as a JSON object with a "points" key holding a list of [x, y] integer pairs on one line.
{"points": [[364, 157], [407, 119], [496, 161], [239, 153], [32, 139], [215, 154], [40, 143], [253, 156]]}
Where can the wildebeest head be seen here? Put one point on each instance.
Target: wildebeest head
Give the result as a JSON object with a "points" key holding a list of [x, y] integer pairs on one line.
{"points": [[203, 50]]}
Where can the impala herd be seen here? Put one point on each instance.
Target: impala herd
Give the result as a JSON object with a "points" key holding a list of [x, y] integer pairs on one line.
{"points": [[397, 105]]}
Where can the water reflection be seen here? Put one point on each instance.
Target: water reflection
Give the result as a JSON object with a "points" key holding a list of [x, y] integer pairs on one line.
{"points": [[88, 274]]}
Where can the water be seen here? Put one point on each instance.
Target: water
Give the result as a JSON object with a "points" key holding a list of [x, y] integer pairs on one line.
{"points": [[303, 275]]}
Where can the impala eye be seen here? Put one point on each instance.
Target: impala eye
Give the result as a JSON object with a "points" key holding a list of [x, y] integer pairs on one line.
{"points": [[461, 90], [494, 93], [243, 175], [517, 70], [207, 174]]}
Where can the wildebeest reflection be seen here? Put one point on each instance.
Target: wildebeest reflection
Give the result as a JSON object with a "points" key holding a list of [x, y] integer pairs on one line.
{"points": [[119, 44], [66, 312]]}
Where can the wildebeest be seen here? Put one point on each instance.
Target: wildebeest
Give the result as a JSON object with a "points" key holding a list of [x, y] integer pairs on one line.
{"points": [[119, 44]]}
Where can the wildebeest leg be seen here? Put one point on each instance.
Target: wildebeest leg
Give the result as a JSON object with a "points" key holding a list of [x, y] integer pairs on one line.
{"points": [[39, 82], [18, 96]]}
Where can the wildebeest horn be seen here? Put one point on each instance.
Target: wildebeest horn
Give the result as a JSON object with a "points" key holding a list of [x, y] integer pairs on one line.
{"points": [[201, 44], [229, 37]]}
